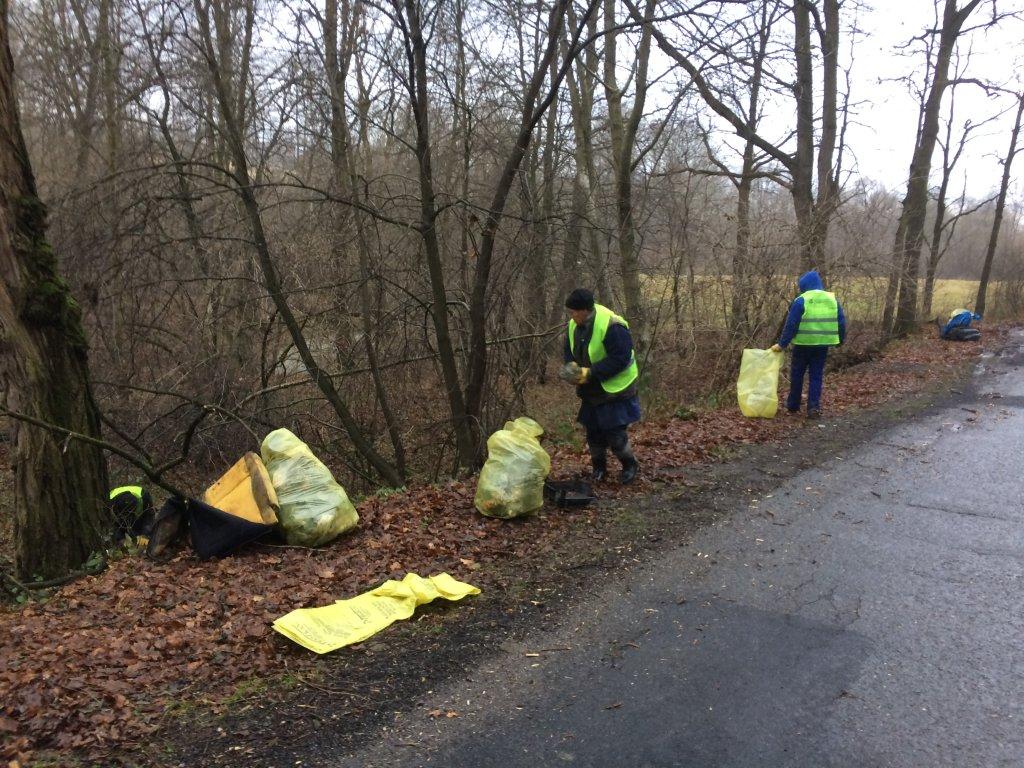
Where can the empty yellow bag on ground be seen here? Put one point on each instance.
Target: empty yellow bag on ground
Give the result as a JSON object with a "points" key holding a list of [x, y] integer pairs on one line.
{"points": [[512, 480], [757, 388], [326, 629]]}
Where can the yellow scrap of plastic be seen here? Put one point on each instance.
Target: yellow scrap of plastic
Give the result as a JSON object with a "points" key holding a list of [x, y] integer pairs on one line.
{"points": [[330, 627]]}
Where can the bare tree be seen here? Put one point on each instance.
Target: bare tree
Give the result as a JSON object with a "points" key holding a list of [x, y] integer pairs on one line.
{"points": [[466, 406], [230, 83], [753, 162], [993, 241], [813, 211], [945, 223], [910, 235], [338, 56], [623, 130]]}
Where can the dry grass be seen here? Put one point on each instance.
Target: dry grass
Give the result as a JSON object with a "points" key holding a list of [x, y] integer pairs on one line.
{"points": [[863, 298]]}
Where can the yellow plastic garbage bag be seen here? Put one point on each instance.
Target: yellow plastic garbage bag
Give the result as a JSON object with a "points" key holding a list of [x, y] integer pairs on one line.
{"points": [[245, 491], [326, 629], [313, 508], [512, 480], [757, 388]]}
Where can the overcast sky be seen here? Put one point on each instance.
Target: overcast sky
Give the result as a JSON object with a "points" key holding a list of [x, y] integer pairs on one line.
{"points": [[883, 139]]}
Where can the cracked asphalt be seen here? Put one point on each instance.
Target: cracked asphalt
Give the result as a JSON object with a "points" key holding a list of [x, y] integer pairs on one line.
{"points": [[866, 612]]}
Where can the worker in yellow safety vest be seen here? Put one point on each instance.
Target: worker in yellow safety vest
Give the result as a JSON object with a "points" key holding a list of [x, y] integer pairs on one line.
{"points": [[814, 324], [132, 507], [600, 361]]}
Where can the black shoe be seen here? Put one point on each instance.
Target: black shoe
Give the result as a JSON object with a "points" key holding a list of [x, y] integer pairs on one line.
{"points": [[598, 474], [792, 410], [629, 472], [814, 414]]}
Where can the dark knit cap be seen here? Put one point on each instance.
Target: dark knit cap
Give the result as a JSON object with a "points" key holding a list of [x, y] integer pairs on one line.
{"points": [[580, 298]]}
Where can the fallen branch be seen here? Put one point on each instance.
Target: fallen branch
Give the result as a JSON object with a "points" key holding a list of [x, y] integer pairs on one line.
{"points": [[58, 582], [152, 473]]}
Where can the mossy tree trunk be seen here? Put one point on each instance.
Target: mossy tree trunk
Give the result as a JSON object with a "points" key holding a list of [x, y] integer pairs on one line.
{"points": [[60, 485]]}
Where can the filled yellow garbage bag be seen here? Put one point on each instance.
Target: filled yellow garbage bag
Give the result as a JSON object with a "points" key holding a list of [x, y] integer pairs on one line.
{"points": [[757, 388], [512, 480], [351, 621], [313, 508]]}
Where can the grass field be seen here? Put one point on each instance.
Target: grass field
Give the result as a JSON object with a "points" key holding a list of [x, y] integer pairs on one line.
{"points": [[863, 298]]}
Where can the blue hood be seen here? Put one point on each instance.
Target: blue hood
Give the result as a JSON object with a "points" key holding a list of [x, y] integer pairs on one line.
{"points": [[810, 281]]}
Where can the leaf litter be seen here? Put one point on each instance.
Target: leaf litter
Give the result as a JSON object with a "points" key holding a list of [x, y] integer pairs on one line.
{"points": [[99, 665]]}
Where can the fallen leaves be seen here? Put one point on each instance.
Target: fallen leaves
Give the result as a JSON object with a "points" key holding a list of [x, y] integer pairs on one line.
{"points": [[98, 665]]}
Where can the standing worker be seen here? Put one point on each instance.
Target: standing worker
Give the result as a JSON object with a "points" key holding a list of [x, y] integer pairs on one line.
{"points": [[815, 323], [599, 360]]}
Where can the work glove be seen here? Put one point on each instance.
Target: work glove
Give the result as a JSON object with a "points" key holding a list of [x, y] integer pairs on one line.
{"points": [[775, 348], [570, 372]]}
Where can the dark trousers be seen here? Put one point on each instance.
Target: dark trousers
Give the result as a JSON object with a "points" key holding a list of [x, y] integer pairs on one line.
{"points": [[600, 440], [807, 360]]}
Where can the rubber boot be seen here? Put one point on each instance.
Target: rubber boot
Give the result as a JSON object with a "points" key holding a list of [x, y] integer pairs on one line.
{"points": [[630, 466]]}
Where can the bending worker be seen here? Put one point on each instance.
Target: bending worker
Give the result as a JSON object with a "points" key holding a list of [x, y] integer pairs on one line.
{"points": [[599, 360], [815, 322]]}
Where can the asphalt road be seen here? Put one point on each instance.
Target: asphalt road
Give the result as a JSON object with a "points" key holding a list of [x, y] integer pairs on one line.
{"points": [[868, 612]]}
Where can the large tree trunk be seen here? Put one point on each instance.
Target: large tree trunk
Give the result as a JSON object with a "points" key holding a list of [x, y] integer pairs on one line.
{"points": [[828, 183], [993, 240], [802, 167], [915, 203], [61, 485], [623, 131]]}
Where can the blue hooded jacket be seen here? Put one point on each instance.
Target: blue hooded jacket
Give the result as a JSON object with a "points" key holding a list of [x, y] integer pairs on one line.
{"points": [[810, 281], [962, 319]]}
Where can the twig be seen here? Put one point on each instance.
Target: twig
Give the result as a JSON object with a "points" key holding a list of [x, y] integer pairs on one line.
{"points": [[14, 581], [58, 582]]}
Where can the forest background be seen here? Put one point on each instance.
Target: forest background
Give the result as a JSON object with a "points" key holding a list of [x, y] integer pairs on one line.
{"points": [[359, 219]]}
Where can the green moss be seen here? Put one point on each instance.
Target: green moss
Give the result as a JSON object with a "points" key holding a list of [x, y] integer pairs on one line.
{"points": [[47, 302]]}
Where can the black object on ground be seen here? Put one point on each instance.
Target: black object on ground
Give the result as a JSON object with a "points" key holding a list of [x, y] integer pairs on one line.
{"points": [[215, 532], [166, 527], [212, 531], [963, 334], [568, 493]]}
